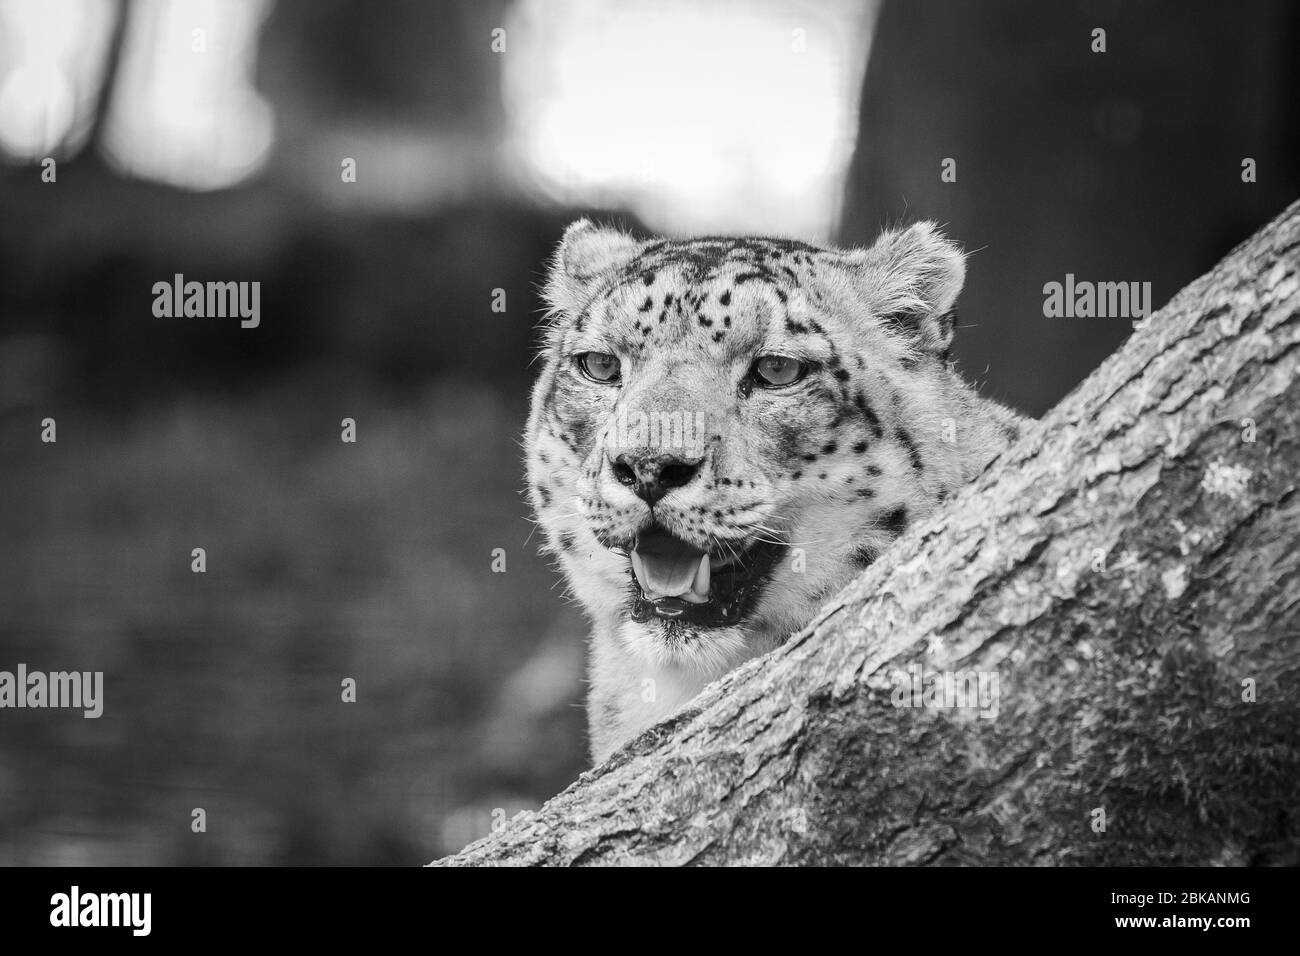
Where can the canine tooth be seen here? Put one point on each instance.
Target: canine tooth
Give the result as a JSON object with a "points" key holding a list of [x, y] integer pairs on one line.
{"points": [[699, 592], [638, 570]]}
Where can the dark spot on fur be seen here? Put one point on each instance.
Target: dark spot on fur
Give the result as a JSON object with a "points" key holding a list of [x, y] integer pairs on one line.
{"points": [[707, 323], [895, 522], [648, 278], [582, 429], [567, 540], [830, 448], [543, 495], [905, 437], [795, 328], [647, 305], [864, 556], [860, 447], [840, 416], [842, 374], [866, 492], [725, 298], [868, 415]]}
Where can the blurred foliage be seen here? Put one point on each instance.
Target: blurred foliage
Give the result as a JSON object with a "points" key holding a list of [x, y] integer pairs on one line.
{"points": [[325, 560]]}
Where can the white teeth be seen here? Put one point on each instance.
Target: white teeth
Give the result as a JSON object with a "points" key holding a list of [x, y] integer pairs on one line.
{"points": [[639, 571], [699, 592]]}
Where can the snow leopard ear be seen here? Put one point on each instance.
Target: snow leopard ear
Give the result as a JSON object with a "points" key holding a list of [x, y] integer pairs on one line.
{"points": [[912, 278], [587, 253]]}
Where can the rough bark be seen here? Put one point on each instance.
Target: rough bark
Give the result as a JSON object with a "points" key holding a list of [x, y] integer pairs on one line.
{"points": [[1121, 683]]}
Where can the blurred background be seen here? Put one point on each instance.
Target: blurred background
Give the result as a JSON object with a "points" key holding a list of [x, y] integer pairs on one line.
{"points": [[389, 171]]}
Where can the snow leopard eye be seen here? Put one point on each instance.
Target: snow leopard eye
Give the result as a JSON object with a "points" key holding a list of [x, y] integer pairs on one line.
{"points": [[599, 366], [776, 370]]}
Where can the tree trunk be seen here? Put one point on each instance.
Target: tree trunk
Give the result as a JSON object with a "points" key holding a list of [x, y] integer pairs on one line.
{"points": [[1125, 582]]}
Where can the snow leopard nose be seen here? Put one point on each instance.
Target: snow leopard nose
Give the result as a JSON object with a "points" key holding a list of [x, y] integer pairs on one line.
{"points": [[652, 476]]}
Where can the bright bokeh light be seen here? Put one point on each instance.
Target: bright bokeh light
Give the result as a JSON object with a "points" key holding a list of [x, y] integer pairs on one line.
{"points": [[700, 115], [51, 61], [185, 110]]}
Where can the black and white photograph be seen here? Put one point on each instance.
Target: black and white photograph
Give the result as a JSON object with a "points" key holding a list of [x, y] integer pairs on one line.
{"points": [[853, 434]]}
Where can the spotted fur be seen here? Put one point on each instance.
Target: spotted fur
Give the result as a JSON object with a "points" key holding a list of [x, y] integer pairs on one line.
{"points": [[834, 467]]}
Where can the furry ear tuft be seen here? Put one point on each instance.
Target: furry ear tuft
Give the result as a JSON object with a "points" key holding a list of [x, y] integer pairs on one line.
{"points": [[587, 250], [586, 253], [911, 278]]}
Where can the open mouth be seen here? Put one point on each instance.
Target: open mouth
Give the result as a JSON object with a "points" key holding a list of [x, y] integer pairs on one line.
{"points": [[675, 581]]}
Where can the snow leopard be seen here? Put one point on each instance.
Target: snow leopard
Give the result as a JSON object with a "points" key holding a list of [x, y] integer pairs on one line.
{"points": [[726, 430]]}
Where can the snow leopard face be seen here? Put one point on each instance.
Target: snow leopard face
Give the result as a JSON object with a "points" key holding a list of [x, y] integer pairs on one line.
{"points": [[725, 431]]}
